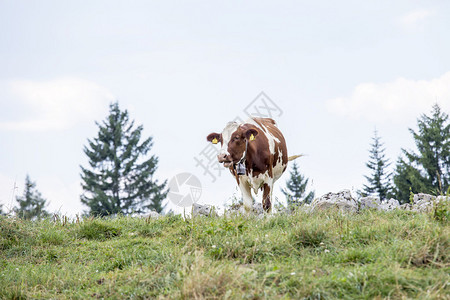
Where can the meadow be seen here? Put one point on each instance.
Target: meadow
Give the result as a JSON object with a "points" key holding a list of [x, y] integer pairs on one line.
{"points": [[321, 255]]}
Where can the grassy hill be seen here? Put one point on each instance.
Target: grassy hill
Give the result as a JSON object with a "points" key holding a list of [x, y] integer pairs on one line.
{"points": [[323, 255]]}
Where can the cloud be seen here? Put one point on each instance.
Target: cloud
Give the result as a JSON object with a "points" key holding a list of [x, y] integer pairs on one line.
{"points": [[415, 18], [397, 101], [52, 105]]}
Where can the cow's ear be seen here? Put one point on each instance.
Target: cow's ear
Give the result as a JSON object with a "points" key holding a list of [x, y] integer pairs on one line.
{"points": [[214, 137], [250, 134]]}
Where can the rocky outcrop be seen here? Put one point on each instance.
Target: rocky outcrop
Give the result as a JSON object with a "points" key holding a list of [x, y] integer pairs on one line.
{"points": [[390, 204], [153, 215], [203, 210], [369, 202], [342, 200], [238, 209]]}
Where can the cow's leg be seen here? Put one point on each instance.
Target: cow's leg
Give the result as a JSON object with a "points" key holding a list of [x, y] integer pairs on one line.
{"points": [[267, 197], [246, 195]]}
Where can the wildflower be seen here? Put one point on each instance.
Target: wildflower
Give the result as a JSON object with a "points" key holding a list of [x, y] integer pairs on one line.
{"points": [[293, 273], [214, 246]]}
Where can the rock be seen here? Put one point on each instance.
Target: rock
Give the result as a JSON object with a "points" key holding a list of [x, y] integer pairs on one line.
{"points": [[258, 208], [390, 204], [440, 199], [406, 206], [369, 202], [153, 215], [424, 202], [342, 200], [202, 210], [421, 198], [239, 209]]}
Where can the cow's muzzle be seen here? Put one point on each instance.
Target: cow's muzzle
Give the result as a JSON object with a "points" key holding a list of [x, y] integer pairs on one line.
{"points": [[225, 159]]}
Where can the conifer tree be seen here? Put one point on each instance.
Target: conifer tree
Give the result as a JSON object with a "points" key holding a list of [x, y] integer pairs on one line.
{"points": [[295, 191], [427, 171], [119, 178], [378, 183], [31, 204]]}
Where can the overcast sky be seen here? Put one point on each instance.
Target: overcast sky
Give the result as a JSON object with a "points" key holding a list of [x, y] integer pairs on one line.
{"points": [[335, 69]]}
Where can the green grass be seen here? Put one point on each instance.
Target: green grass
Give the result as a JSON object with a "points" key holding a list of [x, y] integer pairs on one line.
{"points": [[324, 255]]}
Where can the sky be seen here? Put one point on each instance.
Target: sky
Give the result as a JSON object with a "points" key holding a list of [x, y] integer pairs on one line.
{"points": [[335, 70]]}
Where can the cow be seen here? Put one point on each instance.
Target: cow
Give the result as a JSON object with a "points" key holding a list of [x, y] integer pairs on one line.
{"points": [[255, 153]]}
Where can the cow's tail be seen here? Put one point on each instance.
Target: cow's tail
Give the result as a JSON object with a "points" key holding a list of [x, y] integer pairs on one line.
{"points": [[294, 157]]}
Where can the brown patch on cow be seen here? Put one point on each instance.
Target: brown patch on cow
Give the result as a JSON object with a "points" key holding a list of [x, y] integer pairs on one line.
{"points": [[276, 133], [266, 198], [258, 158]]}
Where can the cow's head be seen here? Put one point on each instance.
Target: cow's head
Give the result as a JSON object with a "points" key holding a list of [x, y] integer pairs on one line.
{"points": [[233, 140]]}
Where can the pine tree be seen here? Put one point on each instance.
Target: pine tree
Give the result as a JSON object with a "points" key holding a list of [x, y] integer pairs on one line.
{"points": [[31, 204], [295, 191], [379, 179], [119, 178], [429, 170]]}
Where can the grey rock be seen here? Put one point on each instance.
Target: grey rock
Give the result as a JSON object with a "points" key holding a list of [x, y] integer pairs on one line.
{"points": [[342, 200], [258, 208], [442, 198], [369, 202], [153, 214], [422, 198], [390, 204], [202, 210], [406, 206]]}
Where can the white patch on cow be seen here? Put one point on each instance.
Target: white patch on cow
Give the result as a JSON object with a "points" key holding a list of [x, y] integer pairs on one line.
{"points": [[226, 136], [278, 170], [256, 182], [246, 193], [269, 136]]}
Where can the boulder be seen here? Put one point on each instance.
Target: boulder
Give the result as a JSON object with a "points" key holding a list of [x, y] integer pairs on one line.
{"points": [[406, 206], [153, 215], [239, 209], [342, 200], [369, 202], [202, 210], [390, 204], [442, 198], [258, 208], [425, 202]]}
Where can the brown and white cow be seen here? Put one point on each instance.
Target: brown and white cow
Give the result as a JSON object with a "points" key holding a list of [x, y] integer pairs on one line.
{"points": [[255, 153]]}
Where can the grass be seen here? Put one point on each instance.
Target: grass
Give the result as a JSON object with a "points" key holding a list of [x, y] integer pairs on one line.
{"points": [[324, 255]]}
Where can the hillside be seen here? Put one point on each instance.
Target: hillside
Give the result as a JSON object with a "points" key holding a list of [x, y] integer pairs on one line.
{"points": [[323, 255]]}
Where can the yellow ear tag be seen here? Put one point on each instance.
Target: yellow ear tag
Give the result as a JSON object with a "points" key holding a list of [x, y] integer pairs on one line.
{"points": [[252, 137], [214, 141]]}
